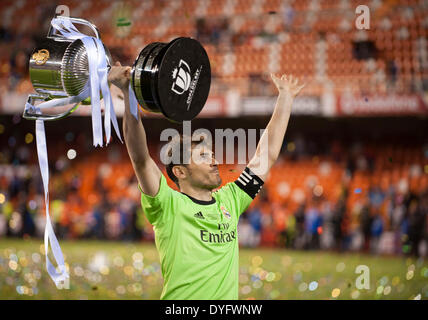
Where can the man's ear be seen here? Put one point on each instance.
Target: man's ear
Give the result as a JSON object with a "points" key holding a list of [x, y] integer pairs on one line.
{"points": [[179, 171]]}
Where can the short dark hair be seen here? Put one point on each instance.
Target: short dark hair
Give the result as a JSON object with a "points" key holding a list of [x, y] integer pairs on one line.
{"points": [[176, 145]]}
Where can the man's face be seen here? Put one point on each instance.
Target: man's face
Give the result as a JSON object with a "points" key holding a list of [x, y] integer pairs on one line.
{"points": [[203, 169]]}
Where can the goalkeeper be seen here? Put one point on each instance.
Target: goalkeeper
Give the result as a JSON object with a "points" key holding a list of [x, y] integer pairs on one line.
{"points": [[196, 228]]}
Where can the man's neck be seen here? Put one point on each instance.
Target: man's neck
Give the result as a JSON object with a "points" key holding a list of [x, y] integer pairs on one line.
{"points": [[197, 193]]}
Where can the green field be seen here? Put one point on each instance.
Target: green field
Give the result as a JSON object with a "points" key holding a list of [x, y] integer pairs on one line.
{"points": [[119, 270]]}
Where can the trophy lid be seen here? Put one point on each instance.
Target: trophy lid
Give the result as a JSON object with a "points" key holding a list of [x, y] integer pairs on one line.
{"points": [[173, 78]]}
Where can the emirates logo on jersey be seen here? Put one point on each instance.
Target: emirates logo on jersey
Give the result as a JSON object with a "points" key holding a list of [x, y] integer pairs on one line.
{"points": [[225, 212]]}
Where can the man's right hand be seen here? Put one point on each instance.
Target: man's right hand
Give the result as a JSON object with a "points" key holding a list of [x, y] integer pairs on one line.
{"points": [[120, 76]]}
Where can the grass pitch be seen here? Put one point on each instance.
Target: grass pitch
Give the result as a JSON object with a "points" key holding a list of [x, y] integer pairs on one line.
{"points": [[121, 270]]}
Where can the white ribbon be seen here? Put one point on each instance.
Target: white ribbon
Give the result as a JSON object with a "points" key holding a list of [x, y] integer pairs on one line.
{"points": [[61, 275], [109, 114], [133, 104], [94, 84], [98, 79], [97, 82]]}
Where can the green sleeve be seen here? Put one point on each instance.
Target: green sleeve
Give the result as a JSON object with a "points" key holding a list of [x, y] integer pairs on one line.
{"points": [[159, 207]]}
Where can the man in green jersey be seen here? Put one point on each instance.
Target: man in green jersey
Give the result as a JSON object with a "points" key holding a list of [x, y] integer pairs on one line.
{"points": [[196, 228]]}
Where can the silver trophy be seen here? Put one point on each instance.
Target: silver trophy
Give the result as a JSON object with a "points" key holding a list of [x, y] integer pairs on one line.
{"points": [[67, 68], [59, 69]]}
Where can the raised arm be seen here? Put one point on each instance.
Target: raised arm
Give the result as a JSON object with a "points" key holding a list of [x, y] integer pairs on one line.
{"points": [[270, 143], [146, 170]]}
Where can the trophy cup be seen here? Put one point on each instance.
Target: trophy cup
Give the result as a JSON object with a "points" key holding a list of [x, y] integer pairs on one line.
{"points": [[172, 78], [59, 68], [66, 68]]}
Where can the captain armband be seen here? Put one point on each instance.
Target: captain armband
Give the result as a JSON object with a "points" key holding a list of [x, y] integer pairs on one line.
{"points": [[249, 182]]}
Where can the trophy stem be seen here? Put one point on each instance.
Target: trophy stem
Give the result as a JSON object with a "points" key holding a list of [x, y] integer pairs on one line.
{"points": [[45, 117]]}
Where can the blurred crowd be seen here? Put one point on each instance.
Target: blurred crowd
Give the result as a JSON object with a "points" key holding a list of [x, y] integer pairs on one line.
{"points": [[320, 224], [391, 220], [22, 209], [373, 215]]}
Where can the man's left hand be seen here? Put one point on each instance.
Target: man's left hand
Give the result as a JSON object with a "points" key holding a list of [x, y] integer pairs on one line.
{"points": [[287, 84]]}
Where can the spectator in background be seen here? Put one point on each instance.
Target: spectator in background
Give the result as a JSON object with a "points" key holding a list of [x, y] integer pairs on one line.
{"points": [[327, 235], [113, 224], [202, 33], [255, 220], [350, 165], [291, 231], [299, 216], [279, 216], [355, 230], [312, 222], [135, 231], [244, 231], [397, 217], [366, 224], [40, 223], [337, 221], [369, 154], [391, 72], [268, 235], [15, 185], [5, 35], [215, 33], [98, 225], [75, 183], [57, 212], [376, 231], [128, 214], [300, 147], [29, 226], [416, 226], [144, 225], [26, 224], [376, 196]]}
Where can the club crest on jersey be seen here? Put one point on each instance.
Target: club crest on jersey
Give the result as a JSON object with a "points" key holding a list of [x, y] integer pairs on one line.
{"points": [[225, 212]]}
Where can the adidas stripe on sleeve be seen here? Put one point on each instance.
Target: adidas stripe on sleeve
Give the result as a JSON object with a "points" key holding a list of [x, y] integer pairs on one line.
{"points": [[249, 182]]}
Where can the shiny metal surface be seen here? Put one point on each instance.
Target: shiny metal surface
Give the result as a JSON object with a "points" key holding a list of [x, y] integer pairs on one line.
{"points": [[59, 68], [46, 78], [32, 98], [75, 68], [136, 74]]}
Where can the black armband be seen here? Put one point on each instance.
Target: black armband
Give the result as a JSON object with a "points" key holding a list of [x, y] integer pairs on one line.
{"points": [[249, 182]]}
